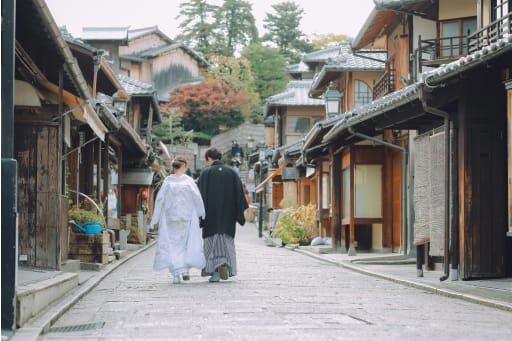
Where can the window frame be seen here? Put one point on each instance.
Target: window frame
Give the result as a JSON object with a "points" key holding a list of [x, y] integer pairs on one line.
{"points": [[357, 93], [312, 121]]}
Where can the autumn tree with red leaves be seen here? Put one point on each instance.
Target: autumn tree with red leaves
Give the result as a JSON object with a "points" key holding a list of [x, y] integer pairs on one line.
{"points": [[207, 106]]}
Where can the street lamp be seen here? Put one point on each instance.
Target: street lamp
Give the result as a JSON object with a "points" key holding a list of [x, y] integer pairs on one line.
{"points": [[261, 165], [332, 99]]}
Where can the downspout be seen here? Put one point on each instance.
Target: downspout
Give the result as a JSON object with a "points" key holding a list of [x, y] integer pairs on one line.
{"points": [[402, 185], [446, 117]]}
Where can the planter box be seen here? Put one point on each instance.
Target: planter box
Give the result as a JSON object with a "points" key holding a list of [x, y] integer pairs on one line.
{"points": [[90, 248]]}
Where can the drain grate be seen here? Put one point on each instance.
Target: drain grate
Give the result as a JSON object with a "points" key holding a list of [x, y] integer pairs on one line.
{"points": [[77, 327]]}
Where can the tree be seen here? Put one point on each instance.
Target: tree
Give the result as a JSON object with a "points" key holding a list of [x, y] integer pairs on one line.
{"points": [[237, 25], [177, 134], [283, 30], [235, 73], [325, 41], [268, 67], [198, 26], [208, 105]]}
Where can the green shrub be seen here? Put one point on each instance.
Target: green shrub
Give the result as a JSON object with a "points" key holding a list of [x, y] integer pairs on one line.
{"points": [[297, 225], [81, 216]]}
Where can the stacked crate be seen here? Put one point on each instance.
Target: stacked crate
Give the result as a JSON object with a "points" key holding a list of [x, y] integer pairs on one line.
{"points": [[89, 248]]}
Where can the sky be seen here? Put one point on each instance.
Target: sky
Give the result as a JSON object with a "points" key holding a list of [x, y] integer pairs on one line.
{"points": [[320, 16]]}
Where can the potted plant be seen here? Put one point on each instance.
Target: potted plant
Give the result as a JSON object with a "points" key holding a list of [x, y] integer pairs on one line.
{"points": [[297, 225], [86, 221]]}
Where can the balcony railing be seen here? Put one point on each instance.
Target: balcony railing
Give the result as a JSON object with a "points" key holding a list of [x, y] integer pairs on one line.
{"points": [[384, 85], [490, 34], [438, 51]]}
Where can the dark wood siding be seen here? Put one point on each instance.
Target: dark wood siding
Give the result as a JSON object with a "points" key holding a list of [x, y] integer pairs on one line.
{"points": [[38, 197]]}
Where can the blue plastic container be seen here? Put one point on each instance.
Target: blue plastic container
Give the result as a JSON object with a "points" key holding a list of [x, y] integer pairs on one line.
{"points": [[90, 227]]}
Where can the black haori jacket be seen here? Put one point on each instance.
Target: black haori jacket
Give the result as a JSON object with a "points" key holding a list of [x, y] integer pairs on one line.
{"points": [[223, 198]]}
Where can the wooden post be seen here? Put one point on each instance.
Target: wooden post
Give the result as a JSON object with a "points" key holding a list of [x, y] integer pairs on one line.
{"points": [[508, 86]]}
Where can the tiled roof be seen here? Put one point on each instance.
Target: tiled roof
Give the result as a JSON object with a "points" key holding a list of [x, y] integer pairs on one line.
{"points": [[72, 40], [318, 127], [136, 33], [346, 60], [421, 8], [156, 51], [105, 33], [431, 78], [296, 94], [374, 108], [438, 75], [300, 67], [135, 87], [321, 55]]}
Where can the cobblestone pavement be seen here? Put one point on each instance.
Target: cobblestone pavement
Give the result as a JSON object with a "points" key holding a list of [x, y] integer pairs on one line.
{"points": [[278, 295]]}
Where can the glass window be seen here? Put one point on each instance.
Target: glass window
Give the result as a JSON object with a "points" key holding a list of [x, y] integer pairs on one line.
{"points": [[453, 36], [450, 39], [500, 9], [298, 125], [362, 93]]}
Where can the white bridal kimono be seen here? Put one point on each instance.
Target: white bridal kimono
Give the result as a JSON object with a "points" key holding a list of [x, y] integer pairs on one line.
{"points": [[178, 207]]}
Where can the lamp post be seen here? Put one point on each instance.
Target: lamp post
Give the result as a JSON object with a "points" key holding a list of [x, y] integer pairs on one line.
{"points": [[332, 99]]}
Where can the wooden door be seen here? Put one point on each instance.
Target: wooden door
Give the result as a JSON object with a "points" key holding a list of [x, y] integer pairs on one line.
{"points": [[485, 231], [38, 195]]}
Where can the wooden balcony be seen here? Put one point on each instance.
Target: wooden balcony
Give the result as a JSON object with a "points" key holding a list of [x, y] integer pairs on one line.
{"points": [[384, 85], [439, 51], [490, 34]]}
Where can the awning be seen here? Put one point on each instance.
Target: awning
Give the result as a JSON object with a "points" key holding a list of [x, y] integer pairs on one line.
{"points": [[83, 111], [275, 173], [94, 121]]}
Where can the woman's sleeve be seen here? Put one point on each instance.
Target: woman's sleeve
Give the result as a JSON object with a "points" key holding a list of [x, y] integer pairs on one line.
{"points": [[197, 200], [157, 210]]}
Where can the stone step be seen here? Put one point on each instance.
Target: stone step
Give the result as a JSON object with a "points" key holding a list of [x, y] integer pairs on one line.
{"points": [[33, 298]]}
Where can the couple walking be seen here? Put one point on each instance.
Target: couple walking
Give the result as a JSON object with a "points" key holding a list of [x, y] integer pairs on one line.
{"points": [[197, 222]]}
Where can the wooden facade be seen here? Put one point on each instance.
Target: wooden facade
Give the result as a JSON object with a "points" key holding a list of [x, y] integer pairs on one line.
{"points": [[468, 100], [39, 197]]}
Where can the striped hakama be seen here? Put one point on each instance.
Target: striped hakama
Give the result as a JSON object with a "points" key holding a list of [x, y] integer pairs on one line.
{"points": [[220, 249]]}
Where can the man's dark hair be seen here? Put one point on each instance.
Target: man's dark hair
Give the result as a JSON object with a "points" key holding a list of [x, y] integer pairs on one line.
{"points": [[213, 153]]}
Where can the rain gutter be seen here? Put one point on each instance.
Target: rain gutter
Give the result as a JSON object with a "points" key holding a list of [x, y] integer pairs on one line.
{"points": [[403, 183], [72, 67]]}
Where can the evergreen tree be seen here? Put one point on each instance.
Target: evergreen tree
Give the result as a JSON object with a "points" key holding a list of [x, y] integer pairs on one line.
{"points": [[325, 41], [283, 30], [237, 26], [198, 26], [268, 67]]}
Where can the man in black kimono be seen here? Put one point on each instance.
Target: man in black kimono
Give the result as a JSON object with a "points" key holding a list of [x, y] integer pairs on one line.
{"points": [[225, 204]]}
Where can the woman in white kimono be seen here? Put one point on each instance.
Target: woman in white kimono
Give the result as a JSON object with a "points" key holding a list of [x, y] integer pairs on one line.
{"points": [[178, 207]]}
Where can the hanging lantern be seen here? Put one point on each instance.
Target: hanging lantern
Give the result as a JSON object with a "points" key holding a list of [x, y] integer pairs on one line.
{"points": [[145, 194]]}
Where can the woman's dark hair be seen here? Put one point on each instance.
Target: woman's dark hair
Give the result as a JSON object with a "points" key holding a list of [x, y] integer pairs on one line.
{"points": [[178, 162], [213, 153]]}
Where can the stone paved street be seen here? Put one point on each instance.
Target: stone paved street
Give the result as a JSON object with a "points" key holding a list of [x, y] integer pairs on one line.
{"points": [[278, 294]]}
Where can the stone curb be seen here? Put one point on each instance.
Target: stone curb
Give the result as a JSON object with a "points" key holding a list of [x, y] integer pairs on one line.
{"points": [[348, 264], [41, 324]]}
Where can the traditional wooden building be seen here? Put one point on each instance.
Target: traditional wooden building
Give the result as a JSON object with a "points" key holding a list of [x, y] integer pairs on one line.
{"points": [[293, 114], [53, 106], [148, 55], [351, 77], [455, 112]]}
